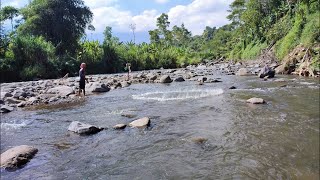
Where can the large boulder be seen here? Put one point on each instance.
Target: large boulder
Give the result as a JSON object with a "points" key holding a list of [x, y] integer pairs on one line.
{"points": [[242, 72], [256, 101], [165, 79], [61, 90], [98, 87], [140, 122], [82, 128], [17, 156], [266, 72]]}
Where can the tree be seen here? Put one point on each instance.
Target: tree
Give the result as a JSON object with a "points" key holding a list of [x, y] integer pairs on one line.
{"points": [[9, 12], [133, 28], [154, 36], [163, 23], [61, 22]]}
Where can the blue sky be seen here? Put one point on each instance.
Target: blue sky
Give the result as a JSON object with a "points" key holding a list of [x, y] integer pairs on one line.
{"points": [[119, 14]]}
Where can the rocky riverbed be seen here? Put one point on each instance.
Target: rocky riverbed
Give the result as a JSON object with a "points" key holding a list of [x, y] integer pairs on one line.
{"points": [[55, 91]]}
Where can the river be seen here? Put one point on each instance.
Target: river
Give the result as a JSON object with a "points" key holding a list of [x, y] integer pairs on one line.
{"points": [[276, 140]]}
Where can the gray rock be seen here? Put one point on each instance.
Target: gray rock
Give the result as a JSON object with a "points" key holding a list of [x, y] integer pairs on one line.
{"points": [[179, 79], [202, 79], [242, 72], [119, 126], [61, 90], [17, 156], [22, 104], [140, 122], [125, 84], [256, 101], [82, 128], [266, 72], [152, 76], [5, 95], [98, 87], [6, 109], [165, 79], [18, 93], [11, 100]]}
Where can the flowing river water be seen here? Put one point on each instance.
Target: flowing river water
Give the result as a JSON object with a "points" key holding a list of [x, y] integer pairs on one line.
{"points": [[276, 140]]}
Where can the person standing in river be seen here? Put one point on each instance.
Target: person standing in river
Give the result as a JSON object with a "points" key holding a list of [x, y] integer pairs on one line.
{"points": [[83, 79], [128, 68]]}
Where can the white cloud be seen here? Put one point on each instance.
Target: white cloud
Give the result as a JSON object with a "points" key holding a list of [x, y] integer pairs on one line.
{"points": [[196, 16], [200, 13], [162, 1], [14, 3], [99, 3]]}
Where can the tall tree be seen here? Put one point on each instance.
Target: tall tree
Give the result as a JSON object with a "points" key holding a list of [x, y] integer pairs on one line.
{"points": [[61, 22], [163, 23], [9, 12]]}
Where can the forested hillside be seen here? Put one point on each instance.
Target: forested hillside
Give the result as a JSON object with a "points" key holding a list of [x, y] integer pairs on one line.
{"points": [[49, 40]]}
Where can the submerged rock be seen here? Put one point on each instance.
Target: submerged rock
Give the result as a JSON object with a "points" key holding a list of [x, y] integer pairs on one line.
{"points": [[17, 156], [119, 126], [82, 128], [256, 101], [140, 122], [199, 140]]}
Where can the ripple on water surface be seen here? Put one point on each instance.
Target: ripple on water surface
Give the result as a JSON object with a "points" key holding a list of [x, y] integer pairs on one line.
{"points": [[178, 95]]}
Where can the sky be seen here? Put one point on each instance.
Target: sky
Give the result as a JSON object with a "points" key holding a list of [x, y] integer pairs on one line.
{"points": [[119, 14]]}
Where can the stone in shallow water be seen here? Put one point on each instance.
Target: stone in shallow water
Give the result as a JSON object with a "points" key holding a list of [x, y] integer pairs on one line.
{"points": [[119, 126], [256, 101], [140, 122], [6, 109], [199, 140], [165, 79], [82, 128], [17, 156]]}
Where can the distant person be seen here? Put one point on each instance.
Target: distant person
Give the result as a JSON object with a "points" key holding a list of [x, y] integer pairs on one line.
{"points": [[128, 68], [83, 79]]}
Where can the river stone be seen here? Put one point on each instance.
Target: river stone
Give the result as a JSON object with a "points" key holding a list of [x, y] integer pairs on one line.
{"points": [[99, 87], [6, 109], [4, 95], [125, 84], [22, 104], [266, 72], [232, 87], [242, 72], [199, 140], [61, 90], [82, 128], [165, 79], [140, 122], [12, 100], [17, 156], [202, 79], [119, 126], [179, 79], [152, 76], [256, 101]]}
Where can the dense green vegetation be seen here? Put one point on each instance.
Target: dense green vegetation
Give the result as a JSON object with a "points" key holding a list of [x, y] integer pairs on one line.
{"points": [[49, 40]]}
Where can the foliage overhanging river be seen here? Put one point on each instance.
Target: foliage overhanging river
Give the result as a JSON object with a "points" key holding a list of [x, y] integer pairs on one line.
{"points": [[276, 140]]}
